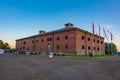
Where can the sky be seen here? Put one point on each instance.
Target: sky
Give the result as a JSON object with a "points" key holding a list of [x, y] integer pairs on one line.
{"points": [[23, 18]]}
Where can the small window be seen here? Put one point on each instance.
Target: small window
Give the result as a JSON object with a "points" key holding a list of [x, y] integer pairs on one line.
{"points": [[82, 37], [88, 39], [23, 47], [94, 48], [36, 41], [41, 40], [50, 39], [58, 47], [28, 48], [66, 37], [101, 42], [32, 41], [83, 47], [94, 40], [88, 47], [66, 46], [97, 41], [58, 38], [47, 39], [98, 48], [24, 42]]}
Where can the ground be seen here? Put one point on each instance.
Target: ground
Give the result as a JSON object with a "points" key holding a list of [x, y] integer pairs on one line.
{"points": [[40, 67]]}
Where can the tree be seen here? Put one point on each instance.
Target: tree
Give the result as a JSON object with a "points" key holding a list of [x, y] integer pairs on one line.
{"points": [[4, 45], [110, 48], [1, 43]]}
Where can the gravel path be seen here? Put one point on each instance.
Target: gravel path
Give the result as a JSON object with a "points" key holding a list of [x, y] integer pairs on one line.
{"points": [[40, 67]]}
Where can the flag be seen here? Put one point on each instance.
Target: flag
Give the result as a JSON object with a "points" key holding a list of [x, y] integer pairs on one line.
{"points": [[111, 36], [105, 34], [93, 27]]}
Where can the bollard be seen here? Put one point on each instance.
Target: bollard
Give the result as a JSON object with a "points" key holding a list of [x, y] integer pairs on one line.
{"points": [[27, 53], [51, 55]]}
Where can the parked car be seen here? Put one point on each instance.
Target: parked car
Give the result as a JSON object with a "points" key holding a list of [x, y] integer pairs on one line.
{"points": [[118, 53], [1, 51]]}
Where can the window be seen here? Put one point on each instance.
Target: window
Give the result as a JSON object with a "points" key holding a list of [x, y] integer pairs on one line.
{"points": [[88, 39], [32, 41], [94, 48], [101, 42], [24, 42], [98, 48], [49, 39], [82, 37], [57, 38], [94, 40], [97, 41], [36, 41], [83, 47], [66, 37], [88, 47], [41, 40], [23, 47], [66, 46], [58, 47], [28, 48]]}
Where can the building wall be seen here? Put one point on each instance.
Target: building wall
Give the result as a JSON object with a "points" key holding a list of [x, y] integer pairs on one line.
{"points": [[65, 43], [69, 41], [85, 43]]}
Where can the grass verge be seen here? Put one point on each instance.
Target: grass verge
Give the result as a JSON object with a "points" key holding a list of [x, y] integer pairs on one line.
{"points": [[86, 56]]}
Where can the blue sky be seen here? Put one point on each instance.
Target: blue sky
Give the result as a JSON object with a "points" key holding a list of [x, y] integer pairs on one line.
{"points": [[21, 18]]}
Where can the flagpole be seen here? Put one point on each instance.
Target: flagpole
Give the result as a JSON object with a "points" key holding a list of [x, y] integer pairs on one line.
{"points": [[93, 44], [99, 40], [111, 41], [93, 37], [106, 35], [108, 43]]}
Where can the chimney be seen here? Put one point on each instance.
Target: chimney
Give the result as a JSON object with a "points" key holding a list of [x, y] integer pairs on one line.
{"points": [[41, 31], [69, 25]]}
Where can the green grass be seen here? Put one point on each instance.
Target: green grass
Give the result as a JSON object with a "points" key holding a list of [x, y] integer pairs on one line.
{"points": [[85, 55], [102, 55]]}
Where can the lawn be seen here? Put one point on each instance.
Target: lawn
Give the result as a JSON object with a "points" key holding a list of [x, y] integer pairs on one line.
{"points": [[85, 55]]}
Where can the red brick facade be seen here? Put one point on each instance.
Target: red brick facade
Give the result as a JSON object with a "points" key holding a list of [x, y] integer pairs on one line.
{"points": [[67, 40]]}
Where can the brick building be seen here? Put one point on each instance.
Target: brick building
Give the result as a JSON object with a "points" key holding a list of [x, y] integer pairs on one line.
{"points": [[66, 40]]}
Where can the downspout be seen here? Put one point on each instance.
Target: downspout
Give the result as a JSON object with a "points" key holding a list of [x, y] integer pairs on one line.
{"points": [[75, 43], [21, 46], [33, 44], [53, 43], [85, 43]]}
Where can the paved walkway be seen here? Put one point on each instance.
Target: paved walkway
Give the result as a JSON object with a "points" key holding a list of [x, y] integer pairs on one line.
{"points": [[36, 67]]}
